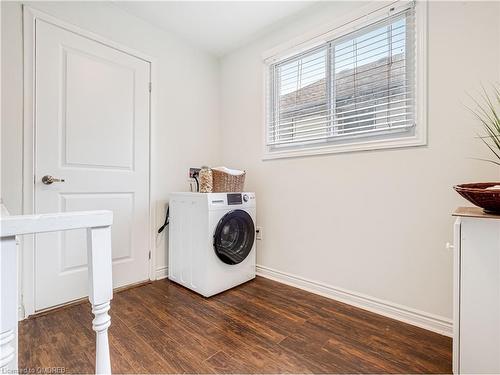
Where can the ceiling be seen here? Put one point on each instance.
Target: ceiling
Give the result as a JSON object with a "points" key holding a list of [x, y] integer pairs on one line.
{"points": [[217, 27]]}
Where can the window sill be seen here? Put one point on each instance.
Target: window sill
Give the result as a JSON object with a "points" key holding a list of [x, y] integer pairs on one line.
{"points": [[342, 148]]}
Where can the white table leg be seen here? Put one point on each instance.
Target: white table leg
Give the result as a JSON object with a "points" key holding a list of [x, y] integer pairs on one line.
{"points": [[100, 292], [100, 325], [8, 309]]}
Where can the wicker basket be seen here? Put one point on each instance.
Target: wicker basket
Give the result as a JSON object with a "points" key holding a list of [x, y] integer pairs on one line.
{"points": [[488, 200], [225, 182], [206, 179]]}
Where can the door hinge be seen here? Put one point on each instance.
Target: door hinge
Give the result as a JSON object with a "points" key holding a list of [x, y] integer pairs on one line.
{"points": [[149, 254], [150, 86]]}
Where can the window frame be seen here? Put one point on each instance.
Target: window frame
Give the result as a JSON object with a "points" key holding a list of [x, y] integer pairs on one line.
{"points": [[273, 92], [354, 21]]}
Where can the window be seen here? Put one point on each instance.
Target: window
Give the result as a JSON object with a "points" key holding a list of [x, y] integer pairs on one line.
{"points": [[355, 91]]}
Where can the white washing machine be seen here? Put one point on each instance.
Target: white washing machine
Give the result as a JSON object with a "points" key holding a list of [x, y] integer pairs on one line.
{"points": [[211, 240]]}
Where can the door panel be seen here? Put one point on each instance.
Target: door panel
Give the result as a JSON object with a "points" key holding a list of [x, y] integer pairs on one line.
{"points": [[89, 79], [92, 130], [73, 246]]}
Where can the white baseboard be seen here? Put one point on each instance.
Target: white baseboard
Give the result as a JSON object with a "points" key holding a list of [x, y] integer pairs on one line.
{"points": [[20, 312], [392, 310], [161, 273]]}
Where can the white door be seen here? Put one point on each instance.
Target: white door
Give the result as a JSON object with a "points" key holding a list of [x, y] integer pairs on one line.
{"points": [[92, 130]]}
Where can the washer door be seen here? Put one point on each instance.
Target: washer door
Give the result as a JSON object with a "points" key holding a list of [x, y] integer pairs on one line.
{"points": [[234, 236]]}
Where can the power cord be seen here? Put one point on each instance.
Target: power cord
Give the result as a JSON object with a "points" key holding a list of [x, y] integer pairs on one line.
{"points": [[197, 183], [167, 218], [167, 221]]}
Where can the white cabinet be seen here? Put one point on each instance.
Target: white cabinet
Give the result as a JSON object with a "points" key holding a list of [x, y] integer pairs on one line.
{"points": [[476, 338]]}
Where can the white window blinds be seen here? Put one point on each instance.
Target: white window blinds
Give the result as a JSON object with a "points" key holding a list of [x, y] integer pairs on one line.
{"points": [[359, 85]]}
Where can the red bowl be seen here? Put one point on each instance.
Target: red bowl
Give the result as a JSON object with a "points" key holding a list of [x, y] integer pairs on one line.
{"points": [[477, 194]]}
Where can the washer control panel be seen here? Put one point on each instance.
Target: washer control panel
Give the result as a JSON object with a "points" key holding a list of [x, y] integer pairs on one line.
{"points": [[241, 200], [234, 198]]}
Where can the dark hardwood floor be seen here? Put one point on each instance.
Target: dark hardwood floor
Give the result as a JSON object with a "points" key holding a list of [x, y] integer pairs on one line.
{"points": [[259, 327]]}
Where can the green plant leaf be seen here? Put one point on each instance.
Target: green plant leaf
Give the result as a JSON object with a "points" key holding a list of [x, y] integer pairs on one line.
{"points": [[487, 112]]}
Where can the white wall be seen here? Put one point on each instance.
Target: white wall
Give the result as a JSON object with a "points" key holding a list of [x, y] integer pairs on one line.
{"points": [[375, 223], [12, 107], [187, 112], [371, 222]]}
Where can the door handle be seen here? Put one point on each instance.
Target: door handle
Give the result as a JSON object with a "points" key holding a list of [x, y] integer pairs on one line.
{"points": [[47, 179]]}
